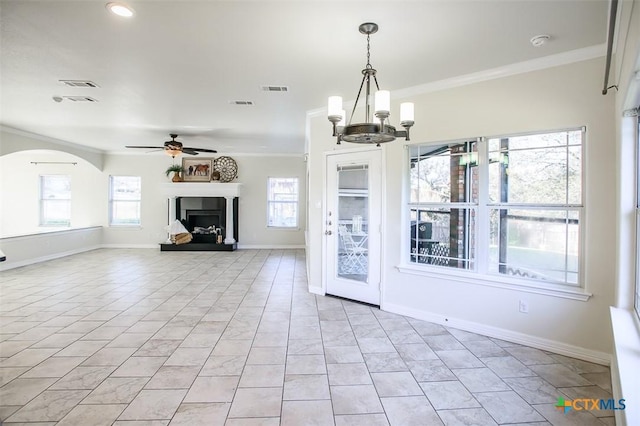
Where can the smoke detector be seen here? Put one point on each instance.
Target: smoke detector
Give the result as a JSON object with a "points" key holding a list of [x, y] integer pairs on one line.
{"points": [[539, 40]]}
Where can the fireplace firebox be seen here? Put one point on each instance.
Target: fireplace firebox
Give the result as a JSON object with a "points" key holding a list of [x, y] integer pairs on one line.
{"points": [[205, 212]]}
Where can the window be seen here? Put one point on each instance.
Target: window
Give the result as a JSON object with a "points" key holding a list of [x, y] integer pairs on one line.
{"points": [[443, 204], [507, 206], [637, 286], [282, 202], [124, 200], [55, 200]]}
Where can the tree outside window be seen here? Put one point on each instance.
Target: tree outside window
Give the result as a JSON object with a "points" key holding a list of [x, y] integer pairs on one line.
{"points": [[508, 206]]}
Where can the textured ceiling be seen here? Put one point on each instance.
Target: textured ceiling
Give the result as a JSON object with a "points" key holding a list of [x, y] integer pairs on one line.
{"points": [[175, 66]]}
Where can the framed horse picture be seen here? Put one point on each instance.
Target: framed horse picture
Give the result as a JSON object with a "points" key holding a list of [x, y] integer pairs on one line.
{"points": [[197, 169]]}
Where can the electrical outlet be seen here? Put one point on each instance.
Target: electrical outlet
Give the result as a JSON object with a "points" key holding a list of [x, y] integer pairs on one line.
{"points": [[523, 307]]}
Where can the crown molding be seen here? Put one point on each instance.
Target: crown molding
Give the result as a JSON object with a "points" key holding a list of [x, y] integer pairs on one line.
{"points": [[564, 58], [212, 155], [545, 62], [48, 139]]}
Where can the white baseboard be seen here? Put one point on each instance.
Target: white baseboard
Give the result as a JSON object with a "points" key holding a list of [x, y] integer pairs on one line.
{"points": [[5, 266], [503, 334], [130, 246], [269, 246], [240, 246]]}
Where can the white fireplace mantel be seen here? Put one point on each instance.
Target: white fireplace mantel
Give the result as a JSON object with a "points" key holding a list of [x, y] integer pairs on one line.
{"points": [[204, 189], [201, 189]]}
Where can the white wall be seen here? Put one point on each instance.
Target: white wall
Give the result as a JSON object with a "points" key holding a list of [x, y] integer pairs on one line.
{"points": [[19, 198], [19, 190], [626, 326], [253, 173], [25, 250], [252, 222], [627, 62], [19, 193], [555, 98]]}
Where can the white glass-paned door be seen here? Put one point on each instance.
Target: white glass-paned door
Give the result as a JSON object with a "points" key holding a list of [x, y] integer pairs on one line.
{"points": [[353, 226]]}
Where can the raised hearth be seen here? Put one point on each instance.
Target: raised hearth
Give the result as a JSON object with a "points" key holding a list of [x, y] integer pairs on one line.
{"points": [[198, 247]]}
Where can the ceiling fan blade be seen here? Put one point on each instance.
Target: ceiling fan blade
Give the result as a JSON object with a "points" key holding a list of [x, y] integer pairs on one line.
{"points": [[202, 149], [145, 147], [189, 151]]}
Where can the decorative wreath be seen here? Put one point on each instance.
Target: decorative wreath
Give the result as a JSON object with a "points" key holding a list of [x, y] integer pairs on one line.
{"points": [[227, 168]]}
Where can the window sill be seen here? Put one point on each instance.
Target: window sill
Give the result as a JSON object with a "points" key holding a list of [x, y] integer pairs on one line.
{"points": [[548, 289], [48, 231], [133, 227], [284, 228]]}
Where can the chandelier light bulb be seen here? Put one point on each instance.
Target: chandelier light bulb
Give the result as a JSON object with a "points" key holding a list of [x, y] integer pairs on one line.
{"points": [[406, 112], [335, 107], [382, 102]]}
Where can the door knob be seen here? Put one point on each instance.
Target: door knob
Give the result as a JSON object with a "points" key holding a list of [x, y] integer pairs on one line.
{"points": [[328, 232]]}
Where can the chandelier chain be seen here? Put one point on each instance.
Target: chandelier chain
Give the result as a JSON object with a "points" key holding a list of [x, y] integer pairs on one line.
{"points": [[368, 52]]}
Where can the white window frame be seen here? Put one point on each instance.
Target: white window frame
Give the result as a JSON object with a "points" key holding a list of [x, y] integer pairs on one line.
{"points": [[636, 288], [271, 201], [479, 274], [112, 199], [43, 221], [471, 206]]}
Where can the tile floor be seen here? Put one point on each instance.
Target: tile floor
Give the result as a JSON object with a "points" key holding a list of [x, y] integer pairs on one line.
{"points": [[140, 337]]}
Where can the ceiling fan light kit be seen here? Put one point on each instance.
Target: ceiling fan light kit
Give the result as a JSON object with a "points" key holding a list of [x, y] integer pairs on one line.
{"points": [[369, 132], [174, 147]]}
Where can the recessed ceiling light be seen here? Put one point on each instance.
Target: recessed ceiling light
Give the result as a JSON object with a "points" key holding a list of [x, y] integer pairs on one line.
{"points": [[120, 9], [539, 40]]}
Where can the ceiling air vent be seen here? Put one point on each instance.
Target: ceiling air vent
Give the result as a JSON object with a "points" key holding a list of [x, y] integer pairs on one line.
{"points": [[274, 88], [245, 103], [80, 98], [79, 83]]}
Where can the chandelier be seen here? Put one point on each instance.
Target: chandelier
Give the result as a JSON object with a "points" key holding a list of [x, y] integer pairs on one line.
{"points": [[369, 132]]}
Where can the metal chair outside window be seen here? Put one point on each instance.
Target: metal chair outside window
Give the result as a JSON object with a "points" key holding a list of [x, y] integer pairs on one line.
{"points": [[421, 242], [356, 256]]}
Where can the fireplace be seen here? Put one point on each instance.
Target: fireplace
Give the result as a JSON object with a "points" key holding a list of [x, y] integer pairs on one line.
{"points": [[202, 206], [202, 216]]}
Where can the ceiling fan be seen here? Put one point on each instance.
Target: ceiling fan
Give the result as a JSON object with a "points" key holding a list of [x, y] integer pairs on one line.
{"points": [[173, 147]]}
